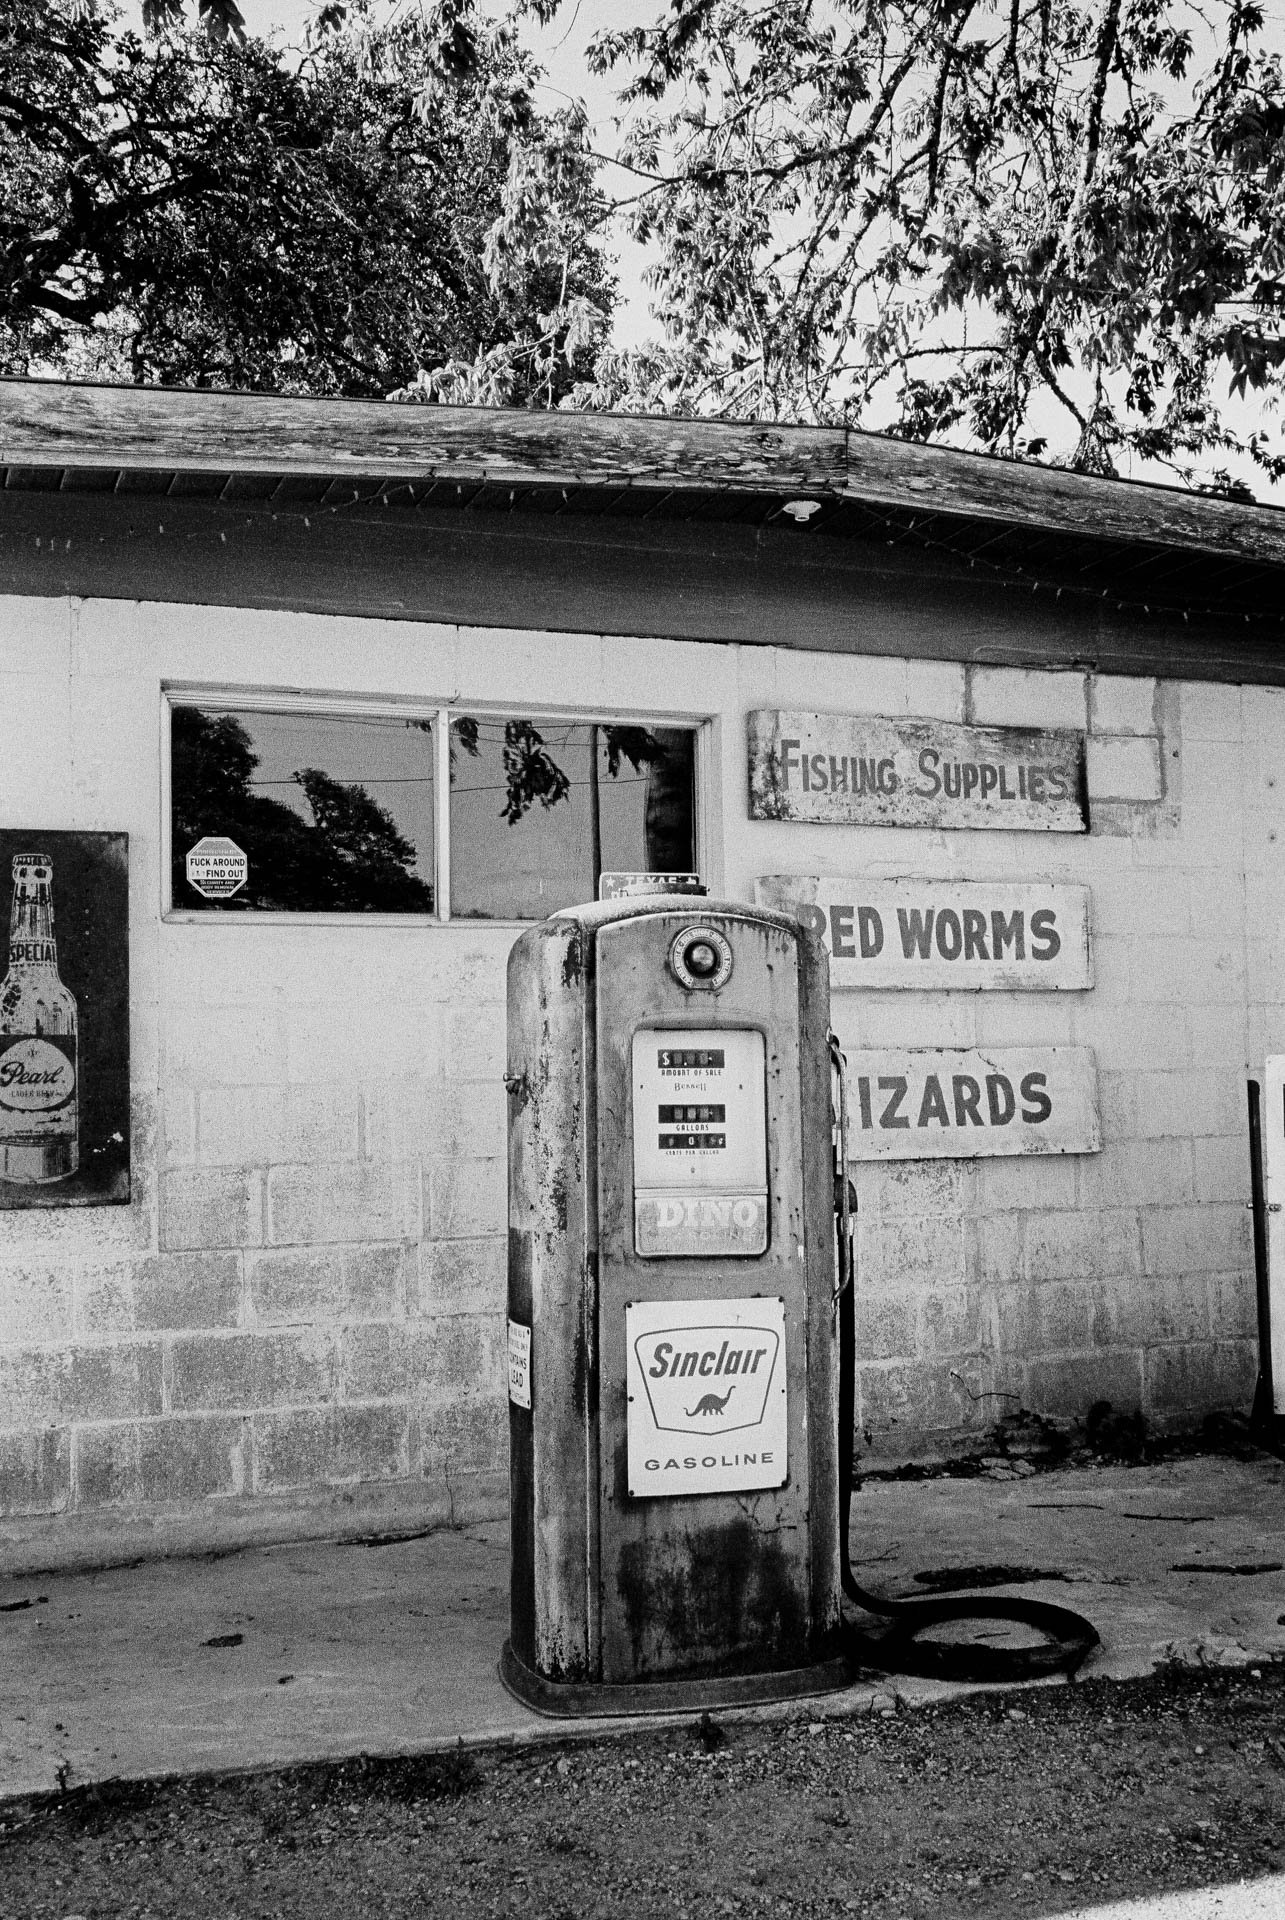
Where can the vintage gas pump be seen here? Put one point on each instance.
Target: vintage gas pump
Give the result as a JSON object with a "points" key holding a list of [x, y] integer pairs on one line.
{"points": [[672, 1334], [681, 1329]]}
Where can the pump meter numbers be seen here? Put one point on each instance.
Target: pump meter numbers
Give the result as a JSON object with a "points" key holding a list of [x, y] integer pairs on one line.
{"points": [[700, 1143], [701, 1117]]}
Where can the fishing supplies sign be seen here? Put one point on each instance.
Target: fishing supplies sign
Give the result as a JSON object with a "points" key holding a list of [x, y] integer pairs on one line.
{"points": [[939, 934], [64, 1020], [706, 1395], [929, 1103], [867, 770]]}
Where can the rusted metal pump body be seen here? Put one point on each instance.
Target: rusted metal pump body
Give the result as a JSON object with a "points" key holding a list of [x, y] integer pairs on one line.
{"points": [[673, 1346]]}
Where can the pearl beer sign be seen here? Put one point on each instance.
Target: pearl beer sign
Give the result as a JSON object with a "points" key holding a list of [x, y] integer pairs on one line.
{"points": [[64, 1021], [706, 1395], [39, 1128], [938, 934], [867, 770], [930, 1103]]}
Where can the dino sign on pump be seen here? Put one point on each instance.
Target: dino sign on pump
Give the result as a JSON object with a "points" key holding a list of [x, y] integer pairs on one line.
{"points": [[706, 1395]]}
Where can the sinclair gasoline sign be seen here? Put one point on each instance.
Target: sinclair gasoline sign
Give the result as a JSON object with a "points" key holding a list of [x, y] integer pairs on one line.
{"points": [[938, 934], [706, 1395], [931, 1103], [859, 770]]}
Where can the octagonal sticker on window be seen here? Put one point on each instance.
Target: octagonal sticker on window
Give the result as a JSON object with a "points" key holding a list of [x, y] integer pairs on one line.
{"points": [[217, 867]]}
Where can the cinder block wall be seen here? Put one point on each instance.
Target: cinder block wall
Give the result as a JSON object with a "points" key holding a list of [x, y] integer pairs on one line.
{"points": [[1049, 1283], [298, 1321], [332, 1207]]}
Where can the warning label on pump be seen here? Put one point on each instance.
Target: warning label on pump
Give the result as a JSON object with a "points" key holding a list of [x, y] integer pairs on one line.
{"points": [[519, 1364], [216, 867], [706, 1395]]}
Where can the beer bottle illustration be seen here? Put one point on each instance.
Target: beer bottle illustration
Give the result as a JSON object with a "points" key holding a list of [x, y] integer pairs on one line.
{"points": [[39, 1106]]}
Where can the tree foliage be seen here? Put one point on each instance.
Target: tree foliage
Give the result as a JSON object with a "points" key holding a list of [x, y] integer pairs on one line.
{"points": [[196, 207], [1049, 228], [1034, 226]]}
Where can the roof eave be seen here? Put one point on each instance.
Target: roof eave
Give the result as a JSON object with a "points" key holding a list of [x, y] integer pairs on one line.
{"points": [[61, 425]]}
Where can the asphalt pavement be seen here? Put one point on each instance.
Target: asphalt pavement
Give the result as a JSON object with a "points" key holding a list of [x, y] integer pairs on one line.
{"points": [[280, 1655]]}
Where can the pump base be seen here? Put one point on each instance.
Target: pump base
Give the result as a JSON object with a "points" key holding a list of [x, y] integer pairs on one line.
{"points": [[577, 1700]]}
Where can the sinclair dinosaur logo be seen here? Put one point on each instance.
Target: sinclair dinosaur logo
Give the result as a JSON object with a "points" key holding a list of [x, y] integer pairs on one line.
{"points": [[709, 1380]]}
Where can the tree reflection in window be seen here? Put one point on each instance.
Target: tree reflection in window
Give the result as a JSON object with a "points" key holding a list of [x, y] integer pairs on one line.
{"points": [[347, 854], [335, 811], [578, 797]]}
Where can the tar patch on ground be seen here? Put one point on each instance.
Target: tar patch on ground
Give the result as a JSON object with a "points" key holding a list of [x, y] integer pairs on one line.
{"points": [[1015, 1803]]}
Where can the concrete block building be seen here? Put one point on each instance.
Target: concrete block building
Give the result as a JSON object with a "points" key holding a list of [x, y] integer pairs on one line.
{"points": [[429, 672]]}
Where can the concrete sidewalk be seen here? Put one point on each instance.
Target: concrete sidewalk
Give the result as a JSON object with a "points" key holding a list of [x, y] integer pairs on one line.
{"points": [[334, 1649]]}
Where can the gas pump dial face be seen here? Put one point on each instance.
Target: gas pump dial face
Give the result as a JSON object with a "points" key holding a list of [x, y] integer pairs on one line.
{"points": [[701, 957]]}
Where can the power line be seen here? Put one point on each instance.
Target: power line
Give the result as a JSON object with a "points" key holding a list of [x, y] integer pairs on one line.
{"points": [[426, 780], [364, 779]]}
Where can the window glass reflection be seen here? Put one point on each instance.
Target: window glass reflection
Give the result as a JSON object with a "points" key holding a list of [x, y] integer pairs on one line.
{"points": [[334, 813], [539, 809]]}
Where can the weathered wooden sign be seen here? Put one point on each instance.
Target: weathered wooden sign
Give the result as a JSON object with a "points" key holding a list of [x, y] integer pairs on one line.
{"points": [[912, 1103], [636, 886], [858, 770], [934, 934]]}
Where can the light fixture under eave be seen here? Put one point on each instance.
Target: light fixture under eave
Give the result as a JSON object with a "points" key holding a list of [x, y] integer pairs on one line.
{"points": [[801, 511]]}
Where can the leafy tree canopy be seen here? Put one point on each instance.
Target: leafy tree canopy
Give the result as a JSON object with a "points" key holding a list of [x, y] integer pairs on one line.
{"points": [[1041, 227], [1048, 228], [198, 207]]}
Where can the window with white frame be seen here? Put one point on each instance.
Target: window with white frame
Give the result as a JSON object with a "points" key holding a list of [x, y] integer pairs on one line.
{"points": [[359, 808]]}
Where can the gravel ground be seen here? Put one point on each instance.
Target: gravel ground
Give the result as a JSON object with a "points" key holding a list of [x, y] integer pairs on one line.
{"points": [[1020, 1803]]}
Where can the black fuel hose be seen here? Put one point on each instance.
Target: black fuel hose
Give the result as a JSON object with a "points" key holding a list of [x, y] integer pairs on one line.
{"points": [[1068, 1636]]}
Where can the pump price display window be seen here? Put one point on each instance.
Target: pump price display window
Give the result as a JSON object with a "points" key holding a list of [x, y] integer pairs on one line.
{"points": [[700, 1142]]}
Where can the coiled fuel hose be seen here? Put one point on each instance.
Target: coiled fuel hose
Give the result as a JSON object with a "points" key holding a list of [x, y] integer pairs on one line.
{"points": [[898, 1648]]}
